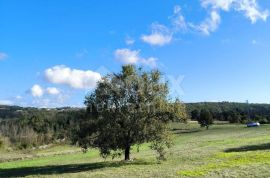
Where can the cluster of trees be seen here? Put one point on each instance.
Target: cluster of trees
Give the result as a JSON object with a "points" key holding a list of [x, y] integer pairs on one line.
{"points": [[204, 117], [36, 127], [231, 112], [11, 112]]}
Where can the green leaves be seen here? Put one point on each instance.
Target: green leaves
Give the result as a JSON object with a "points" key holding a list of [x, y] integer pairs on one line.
{"points": [[129, 108]]}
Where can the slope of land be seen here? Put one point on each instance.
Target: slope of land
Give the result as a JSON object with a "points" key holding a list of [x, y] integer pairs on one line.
{"points": [[222, 151]]}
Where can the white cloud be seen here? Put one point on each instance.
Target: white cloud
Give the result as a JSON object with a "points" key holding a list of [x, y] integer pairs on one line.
{"points": [[160, 35], [37, 91], [218, 4], [45, 97], [209, 25], [52, 91], [6, 102], [178, 20], [78, 79], [127, 56], [3, 56], [250, 8], [158, 39], [252, 11]]}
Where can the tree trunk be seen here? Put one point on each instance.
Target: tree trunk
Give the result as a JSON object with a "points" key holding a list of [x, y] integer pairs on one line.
{"points": [[127, 153]]}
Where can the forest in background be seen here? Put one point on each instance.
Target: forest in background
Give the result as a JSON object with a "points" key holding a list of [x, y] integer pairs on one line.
{"points": [[24, 127]]}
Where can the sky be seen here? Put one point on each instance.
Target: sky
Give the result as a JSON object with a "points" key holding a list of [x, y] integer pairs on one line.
{"points": [[52, 53]]}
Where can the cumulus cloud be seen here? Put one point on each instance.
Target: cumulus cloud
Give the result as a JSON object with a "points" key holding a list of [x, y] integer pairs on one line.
{"points": [[3, 56], [52, 91], [159, 36], [37, 91], [78, 79], [250, 8], [127, 56]]}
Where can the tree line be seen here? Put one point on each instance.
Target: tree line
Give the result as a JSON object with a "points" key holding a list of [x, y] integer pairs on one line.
{"points": [[31, 126], [231, 112]]}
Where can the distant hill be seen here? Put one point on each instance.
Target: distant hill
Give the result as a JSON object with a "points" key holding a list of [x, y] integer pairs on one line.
{"points": [[223, 111], [17, 112]]}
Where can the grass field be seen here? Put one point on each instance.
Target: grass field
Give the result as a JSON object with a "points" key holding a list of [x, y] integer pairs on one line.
{"points": [[222, 151]]}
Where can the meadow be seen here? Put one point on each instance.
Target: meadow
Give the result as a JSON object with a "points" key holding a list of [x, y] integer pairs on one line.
{"points": [[225, 150]]}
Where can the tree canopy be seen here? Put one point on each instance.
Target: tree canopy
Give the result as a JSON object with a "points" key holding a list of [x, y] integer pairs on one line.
{"points": [[129, 108], [205, 119]]}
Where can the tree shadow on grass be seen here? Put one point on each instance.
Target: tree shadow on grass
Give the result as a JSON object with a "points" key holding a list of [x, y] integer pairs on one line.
{"points": [[62, 169], [265, 146]]}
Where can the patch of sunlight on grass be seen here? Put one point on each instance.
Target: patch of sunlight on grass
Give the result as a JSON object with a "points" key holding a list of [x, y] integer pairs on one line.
{"points": [[228, 160]]}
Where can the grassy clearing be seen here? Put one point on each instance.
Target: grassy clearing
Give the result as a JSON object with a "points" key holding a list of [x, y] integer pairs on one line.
{"points": [[222, 151]]}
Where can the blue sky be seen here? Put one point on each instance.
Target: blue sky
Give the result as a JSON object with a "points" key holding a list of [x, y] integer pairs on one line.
{"points": [[53, 52]]}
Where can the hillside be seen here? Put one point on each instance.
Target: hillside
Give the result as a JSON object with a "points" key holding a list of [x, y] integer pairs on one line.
{"points": [[222, 151]]}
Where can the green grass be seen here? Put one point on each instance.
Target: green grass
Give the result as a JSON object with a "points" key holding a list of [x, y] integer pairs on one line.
{"points": [[223, 151]]}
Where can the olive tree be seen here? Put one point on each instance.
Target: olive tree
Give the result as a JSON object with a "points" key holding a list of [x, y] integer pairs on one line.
{"points": [[126, 109]]}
